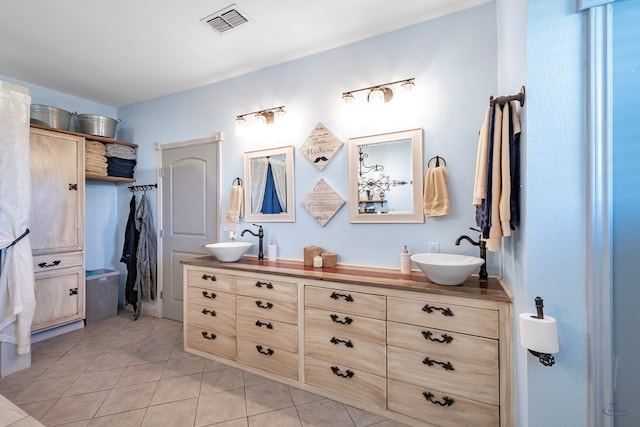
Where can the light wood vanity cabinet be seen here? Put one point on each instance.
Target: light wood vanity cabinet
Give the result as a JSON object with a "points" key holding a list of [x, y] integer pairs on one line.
{"points": [[56, 222], [404, 349]]}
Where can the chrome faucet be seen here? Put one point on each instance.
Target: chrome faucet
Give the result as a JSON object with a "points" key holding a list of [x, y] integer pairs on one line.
{"points": [[259, 235], [483, 251]]}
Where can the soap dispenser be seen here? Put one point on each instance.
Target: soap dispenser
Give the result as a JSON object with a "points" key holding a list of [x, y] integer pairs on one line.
{"points": [[405, 261], [272, 251]]}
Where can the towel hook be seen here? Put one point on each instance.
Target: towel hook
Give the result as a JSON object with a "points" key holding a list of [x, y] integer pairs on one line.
{"points": [[238, 180], [437, 159]]}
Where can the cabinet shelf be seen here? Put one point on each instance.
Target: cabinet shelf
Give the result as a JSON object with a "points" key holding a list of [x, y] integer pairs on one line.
{"points": [[102, 139]]}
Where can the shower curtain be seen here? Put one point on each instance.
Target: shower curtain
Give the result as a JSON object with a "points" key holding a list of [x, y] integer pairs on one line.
{"points": [[17, 299]]}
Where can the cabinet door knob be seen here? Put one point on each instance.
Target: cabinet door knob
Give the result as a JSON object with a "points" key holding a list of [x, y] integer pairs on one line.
{"points": [[267, 352], [336, 371], [347, 297], [336, 341], [446, 339], [206, 294], [447, 401], [445, 311], [447, 366], [266, 306], [73, 187], [73, 291], [267, 285], [347, 320], [260, 324], [211, 312], [209, 336]]}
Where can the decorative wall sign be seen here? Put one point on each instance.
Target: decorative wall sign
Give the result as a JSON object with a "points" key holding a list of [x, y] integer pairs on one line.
{"points": [[320, 146], [322, 202]]}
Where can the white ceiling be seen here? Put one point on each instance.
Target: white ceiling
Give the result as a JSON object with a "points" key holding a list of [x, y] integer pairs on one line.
{"points": [[119, 52]]}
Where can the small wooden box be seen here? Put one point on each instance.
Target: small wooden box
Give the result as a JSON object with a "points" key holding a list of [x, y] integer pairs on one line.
{"points": [[309, 253], [329, 259]]}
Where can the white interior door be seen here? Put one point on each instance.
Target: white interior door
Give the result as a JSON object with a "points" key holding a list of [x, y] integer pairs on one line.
{"points": [[189, 212]]}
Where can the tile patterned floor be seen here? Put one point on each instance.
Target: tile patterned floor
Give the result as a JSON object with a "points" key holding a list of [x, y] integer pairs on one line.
{"points": [[126, 373]]}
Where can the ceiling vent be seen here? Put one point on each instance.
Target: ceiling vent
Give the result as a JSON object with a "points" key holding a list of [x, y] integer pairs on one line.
{"points": [[226, 19]]}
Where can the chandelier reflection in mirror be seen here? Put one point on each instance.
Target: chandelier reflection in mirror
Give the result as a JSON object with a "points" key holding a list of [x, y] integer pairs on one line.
{"points": [[373, 185]]}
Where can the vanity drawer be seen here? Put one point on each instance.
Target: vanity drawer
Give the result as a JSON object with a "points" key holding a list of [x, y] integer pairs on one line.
{"points": [[215, 298], [466, 348], [448, 317], [367, 305], [345, 349], [57, 261], [358, 327], [211, 340], [267, 309], [345, 381], [205, 316], [448, 375], [445, 409], [271, 332], [210, 280], [268, 289], [274, 360]]}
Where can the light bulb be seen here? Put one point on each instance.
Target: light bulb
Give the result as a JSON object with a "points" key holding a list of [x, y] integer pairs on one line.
{"points": [[376, 96], [347, 98], [408, 86]]}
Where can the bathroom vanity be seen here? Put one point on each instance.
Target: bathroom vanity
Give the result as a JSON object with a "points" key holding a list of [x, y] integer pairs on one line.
{"points": [[393, 344]]}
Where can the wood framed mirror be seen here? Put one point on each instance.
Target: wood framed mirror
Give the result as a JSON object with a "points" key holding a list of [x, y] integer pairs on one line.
{"points": [[385, 178], [269, 185]]}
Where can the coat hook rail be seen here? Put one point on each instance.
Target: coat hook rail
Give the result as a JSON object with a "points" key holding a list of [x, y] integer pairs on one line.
{"points": [[501, 100], [145, 187]]}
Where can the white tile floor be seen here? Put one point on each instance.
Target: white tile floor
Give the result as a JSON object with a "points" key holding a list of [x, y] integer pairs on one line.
{"points": [[121, 372]]}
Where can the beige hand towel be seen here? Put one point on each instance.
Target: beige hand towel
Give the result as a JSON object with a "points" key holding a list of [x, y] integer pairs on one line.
{"points": [[436, 193], [235, 209]]}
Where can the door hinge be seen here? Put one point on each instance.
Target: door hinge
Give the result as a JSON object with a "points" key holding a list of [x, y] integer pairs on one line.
{"points": [[161, 173], [160, 294], [161, 233]]}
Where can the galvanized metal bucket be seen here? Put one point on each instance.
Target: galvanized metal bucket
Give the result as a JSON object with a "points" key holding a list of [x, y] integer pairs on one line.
{"points": [[53, 117], [95, 124]]}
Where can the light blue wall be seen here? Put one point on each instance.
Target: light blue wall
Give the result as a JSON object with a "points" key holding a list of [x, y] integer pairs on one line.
{"points": [[556, 206], [454, 62]]}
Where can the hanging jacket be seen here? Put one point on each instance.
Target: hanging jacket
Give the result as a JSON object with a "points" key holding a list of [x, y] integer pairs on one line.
{"points": [[146, 252], [129, 250]]}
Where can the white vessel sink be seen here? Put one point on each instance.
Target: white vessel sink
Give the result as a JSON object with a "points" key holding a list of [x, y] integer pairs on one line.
{"points": [[228, 251], [447, 269]]}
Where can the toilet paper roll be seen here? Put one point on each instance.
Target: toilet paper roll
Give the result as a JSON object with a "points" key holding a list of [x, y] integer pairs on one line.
{"points": [[539, 335]]}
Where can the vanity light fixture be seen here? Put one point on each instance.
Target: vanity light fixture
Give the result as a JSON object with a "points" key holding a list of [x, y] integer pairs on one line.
{"points": [[380, 94], [266, 116]]}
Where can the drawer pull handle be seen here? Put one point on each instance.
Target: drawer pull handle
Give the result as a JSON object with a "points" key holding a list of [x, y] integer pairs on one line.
{"points": [[209, 336], [445, 311], [347, 374], [266, 306], [347, 320], [260, 324], [347, 297], [447, 366], [208, 277], [211, 295], [53, 264], [260, 284], [73, 291], [446, 339], [347, 343], [211, 312], [447, 400], [267, 352]]}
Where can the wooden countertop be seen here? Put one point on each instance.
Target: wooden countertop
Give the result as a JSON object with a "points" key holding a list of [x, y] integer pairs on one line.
{"points": [[493, 289]]}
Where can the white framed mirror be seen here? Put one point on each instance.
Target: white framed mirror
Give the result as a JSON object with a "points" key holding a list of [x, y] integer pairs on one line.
{"points": [[269, 185], [385, 178]]}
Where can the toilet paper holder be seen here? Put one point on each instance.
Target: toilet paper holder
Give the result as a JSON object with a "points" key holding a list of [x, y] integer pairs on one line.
{"points": [[546, 359]]}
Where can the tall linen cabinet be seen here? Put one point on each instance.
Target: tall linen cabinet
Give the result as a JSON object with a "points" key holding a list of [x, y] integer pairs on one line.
{"points": [[57, 227]]}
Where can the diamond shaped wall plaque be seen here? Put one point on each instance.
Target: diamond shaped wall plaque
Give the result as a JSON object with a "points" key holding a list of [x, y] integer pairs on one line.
{"points": [[322, 202], [320, 146]]}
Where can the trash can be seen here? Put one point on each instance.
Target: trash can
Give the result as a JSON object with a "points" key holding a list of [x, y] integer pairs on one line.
{"points": [[101, 294]]}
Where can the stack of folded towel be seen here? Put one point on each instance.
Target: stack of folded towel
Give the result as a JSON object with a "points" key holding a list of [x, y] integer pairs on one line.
{"points": [[121, 160], [95, 158]]}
